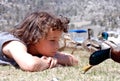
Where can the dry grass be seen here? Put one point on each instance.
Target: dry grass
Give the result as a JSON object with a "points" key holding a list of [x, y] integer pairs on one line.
{"points": [[106, 71]]}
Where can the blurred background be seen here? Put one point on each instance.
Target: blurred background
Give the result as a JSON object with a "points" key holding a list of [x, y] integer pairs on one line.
{"points": [[99, 15]]}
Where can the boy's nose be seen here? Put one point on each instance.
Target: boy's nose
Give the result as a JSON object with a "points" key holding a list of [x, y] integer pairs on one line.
{"points": [[57, 46]]}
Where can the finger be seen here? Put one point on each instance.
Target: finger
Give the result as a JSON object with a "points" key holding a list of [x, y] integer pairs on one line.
{"points": [[53, 63], [44, 57], [49, 59]]}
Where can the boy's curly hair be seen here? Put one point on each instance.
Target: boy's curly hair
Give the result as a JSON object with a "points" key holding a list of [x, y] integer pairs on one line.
{"points": [[37, 24]]}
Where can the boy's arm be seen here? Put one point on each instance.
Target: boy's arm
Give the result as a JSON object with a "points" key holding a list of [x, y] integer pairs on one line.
{"points": [[18, 51], [66, 59]]}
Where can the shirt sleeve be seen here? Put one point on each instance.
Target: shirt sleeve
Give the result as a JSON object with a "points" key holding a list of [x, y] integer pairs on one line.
{"points": [[5, 37]]}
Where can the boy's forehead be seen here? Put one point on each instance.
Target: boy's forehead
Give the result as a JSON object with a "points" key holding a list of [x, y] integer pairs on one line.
{"points": [[54, 34]]}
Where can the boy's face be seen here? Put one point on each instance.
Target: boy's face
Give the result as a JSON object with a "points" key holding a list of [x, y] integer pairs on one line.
{"points": [[49, 45]]}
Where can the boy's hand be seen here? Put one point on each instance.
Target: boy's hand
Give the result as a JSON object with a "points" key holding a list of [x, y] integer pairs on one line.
{"points": [[53, 62], [49, 62], [66, 59]]}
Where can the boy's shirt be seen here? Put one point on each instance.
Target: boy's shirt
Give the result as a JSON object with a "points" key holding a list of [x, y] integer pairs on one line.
{"points": [[5, 37]]}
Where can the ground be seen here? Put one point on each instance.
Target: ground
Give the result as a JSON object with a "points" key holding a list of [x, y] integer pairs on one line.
{"points": [[106, 71]]}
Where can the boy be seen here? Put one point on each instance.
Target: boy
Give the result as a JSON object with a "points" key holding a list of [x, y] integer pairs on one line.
{"points": [[33, 45]]}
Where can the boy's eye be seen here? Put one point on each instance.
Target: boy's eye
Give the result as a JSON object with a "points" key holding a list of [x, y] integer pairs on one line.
{"points": [[52, 40]]}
